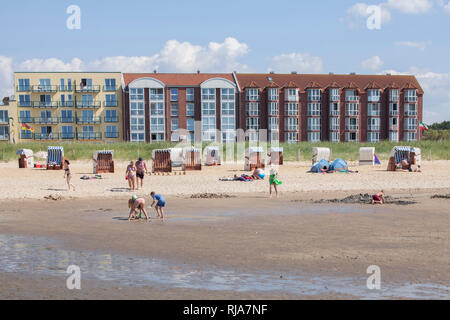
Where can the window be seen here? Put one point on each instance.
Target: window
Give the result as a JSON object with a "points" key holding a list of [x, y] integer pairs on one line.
{"points": [[373, 95], [351, 124], [252, 94], [393, 109], [228, 109], [352, 109], [373, 124], [66, 116], [393, 95], [227, 94], [209, 94], [291, 109], [4, 116], [44, 85], [374, 109], [87, 100], [111, 116], [86, 84], [136, 108], [190, 124], [25, 116], [313, 124], [209, 123], [87, 115], [291, 94], [228, 123], [208, 109], [189, 109], [411, 95], [110, 84], [334, 124], [334, 136], [314, 109], [291, 124], [174, 109], [393, 123], [351, 95], [273, 123], [110, 100], [410, 136], [45, 100], [253, 108], [136, 94], [174, 124], [410, 124], [410, 109], [24, 85], [252, 123], [393, 136], [313, 94], [67, 132], [334, 108], [351, 136], [273, 94], [157, 124], [111, 132], [156, 109], [24, 100], [173, 94], [334, 94], [373, 136], [156, 94], [189, 94], [314, 136], [273, 108], [291, 137]]}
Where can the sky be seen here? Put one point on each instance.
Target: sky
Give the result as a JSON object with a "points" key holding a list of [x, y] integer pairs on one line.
{"points": [[412, 37]]}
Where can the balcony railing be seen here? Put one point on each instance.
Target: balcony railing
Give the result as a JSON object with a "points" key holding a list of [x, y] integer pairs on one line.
{"points": [[26, 135], [351, 127], [394, 98], [67, 135], [373, 98], [410, 99], [313, 128], [111, 119], [25, 120], [91, 120], [87, 104], [409, 127], [4, 137], [109, 88], [374, 113], [393, 113], [4, 121], [112, 134], [373, 128], [393, 127], [46, 120], [112, 103], [89, 135], [352, 113], [334, 113], [67, 119], [334, 127], [352, 98], [91, 88], [313, 113], [66, 104], [23, 88], [46, 136], [45, 88], [45, 104], [291, 128], [66, 88], [25, 104], [334, 98], [289, 113], [410, 113]]}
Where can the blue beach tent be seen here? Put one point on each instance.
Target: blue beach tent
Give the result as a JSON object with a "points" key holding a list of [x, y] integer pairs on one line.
{"points": [[339, 165], [318, 166]]}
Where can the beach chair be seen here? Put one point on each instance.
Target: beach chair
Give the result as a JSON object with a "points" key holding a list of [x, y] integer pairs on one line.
{"points": [[254, 157], [55, 158], [192, 159], [321, 153], [161, 160], [367, 156], [26, 159], [276, 156], [399, 153], [103, 161], [212, 156]]}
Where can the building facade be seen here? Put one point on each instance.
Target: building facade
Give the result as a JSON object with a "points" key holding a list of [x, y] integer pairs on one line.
{"points": [[69, 106]]}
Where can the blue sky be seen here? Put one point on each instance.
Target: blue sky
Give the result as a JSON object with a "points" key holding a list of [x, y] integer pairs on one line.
{"points": [[306, 36]]}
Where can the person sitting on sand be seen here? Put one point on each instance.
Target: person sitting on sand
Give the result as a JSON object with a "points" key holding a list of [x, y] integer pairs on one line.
{"points": [[68, 174], [258, 173], [136, 203], [160, 204], [378, 198], [403, 165], [131, 175]]}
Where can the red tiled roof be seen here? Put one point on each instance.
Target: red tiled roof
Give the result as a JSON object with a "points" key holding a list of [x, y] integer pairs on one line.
{"points": [[409, 85], [334, 84], [313, 84], [252, 85], [392, 85], [272, 85], [290, 84], [177, 79], [372, 85], [359, 81]]}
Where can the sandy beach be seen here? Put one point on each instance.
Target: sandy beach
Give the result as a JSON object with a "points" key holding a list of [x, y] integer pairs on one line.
{"points": [[244, 247]]}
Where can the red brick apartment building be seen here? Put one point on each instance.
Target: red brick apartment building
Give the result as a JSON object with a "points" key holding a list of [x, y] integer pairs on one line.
{"points": [[291, 107]]}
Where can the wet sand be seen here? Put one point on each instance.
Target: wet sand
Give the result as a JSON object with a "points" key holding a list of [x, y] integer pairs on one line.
{"points": [[287, 237]]}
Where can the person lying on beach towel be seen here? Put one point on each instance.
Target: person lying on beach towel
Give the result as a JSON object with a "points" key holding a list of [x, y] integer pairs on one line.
{"points": [[243, 177], [378, 198], [136, 203]]}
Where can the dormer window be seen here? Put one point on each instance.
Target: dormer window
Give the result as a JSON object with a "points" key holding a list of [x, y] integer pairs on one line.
{"points": [[314, 94], [252, 94], [411, 95], [291, 94], [373, 95]]}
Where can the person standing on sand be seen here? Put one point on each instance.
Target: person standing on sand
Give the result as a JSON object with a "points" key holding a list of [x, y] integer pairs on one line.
{"points": [[378, 198], [160, 204], [68, 174], [273, 181], [131, 175], [136, 203], [141, 170]]}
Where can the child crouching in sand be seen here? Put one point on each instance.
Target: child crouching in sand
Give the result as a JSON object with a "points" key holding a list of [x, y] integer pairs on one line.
{"points": [[136, 203], [378, 198], [160, 204]]}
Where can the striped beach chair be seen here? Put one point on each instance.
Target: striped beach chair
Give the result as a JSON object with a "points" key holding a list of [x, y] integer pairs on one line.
{"points": [[192, 159], [55, 158], [103, 161]]}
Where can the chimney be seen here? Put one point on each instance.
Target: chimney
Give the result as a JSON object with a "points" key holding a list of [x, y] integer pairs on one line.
{"points": [[331, 73], [271, 72], [198, 71], [155, 71], [294, 72], [352, 73]]}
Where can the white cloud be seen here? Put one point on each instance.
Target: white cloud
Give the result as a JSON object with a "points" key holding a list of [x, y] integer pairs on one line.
{"points": [[413, 44], [373, 63], [447, 8], [410, 6], [300, 62], [6, 72]]}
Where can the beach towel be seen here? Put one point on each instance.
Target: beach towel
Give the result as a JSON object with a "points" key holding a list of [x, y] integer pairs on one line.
{"points": [[273, 180]]}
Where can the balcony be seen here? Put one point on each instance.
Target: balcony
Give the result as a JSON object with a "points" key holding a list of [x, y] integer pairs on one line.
{"points": [[374, 113], [112, 103], [45, 104], [66, 88], [66, 104], [351, 127], [291, 128], [46, 120], [89, 135], [373, 98], [86, 88], [352, 98], [334, 127], [26, 104], [4, 137], [109, 88], [44, 88], [91, 120], [111, 119], [313, 128], [352, 113], [373, 128], [334, 113], [112, 134], [410, 99], [88, 104], [334, 98], [46, 136], [26, 135], [67, 135], [410, 113], [67, 120], [393, 127], [393, 113], [23, 88], [394, 98], [25, 120], [313, 113]]}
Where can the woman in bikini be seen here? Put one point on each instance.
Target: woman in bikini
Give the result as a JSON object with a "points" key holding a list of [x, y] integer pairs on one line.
{"points": [[136, 204], [131, 175], [68, 174]]}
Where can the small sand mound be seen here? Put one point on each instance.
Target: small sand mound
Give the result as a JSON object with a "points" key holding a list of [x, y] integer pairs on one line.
{"points": [[54, 197], [211, 195], [441, 196], [365, 199]]}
